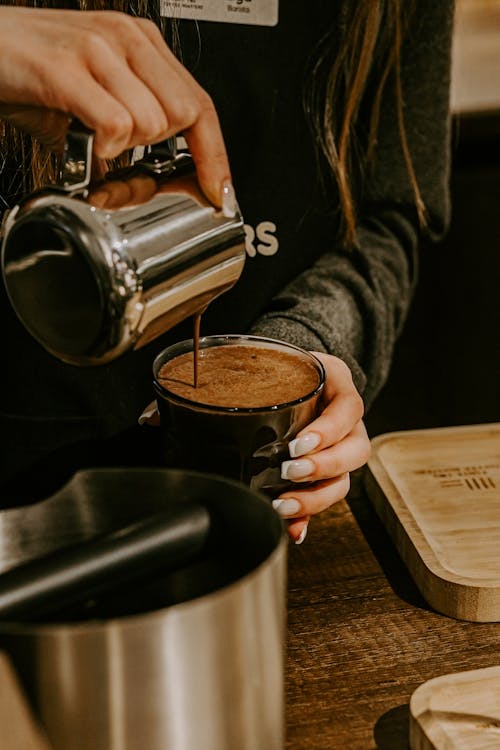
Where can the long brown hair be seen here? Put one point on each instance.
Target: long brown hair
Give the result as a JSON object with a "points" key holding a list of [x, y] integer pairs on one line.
{"points": [[338, 81], [334, 96]]}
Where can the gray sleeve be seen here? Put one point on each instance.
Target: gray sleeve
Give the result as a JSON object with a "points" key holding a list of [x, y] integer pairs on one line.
{"points": [[353, 301]]}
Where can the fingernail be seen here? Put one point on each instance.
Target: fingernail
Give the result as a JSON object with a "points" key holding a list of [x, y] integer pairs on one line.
{"points": [[305, 444], [229, 205], [297, 469], [286, 508], [302, 535]]}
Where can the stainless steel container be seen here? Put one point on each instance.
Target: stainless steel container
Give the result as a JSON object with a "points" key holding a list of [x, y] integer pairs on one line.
{"points": [[93, 270], [185, 657]]}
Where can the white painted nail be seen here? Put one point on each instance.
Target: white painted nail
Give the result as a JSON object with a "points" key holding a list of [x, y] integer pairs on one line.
{"points": [[305, 444], [297, 470], [302, 535], [287, 507], [229, 205]]}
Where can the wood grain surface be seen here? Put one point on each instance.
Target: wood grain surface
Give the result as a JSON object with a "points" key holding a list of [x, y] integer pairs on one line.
{"points": [[361, 638]]}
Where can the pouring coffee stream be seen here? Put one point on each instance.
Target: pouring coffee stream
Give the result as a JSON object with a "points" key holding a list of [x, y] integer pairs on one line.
{"points": [[196, 346], [126, 259]]}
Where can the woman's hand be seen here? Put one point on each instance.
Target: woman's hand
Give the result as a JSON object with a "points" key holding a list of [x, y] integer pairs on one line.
{"points": [[325, 452], [113, 72]]}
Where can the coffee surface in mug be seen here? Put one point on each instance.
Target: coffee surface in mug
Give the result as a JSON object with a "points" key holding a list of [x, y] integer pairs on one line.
{"points": [[240, 376]]}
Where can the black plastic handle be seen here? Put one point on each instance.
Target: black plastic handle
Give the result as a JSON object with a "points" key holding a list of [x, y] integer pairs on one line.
{"points": [[165, 541]]}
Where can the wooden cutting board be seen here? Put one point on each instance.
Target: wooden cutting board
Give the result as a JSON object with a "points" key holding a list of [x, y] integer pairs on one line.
{"points": [[437, 492], [457, 712]]}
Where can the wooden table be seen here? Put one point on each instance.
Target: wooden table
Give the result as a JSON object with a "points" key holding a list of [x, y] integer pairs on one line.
{"points": [[360, 637]]}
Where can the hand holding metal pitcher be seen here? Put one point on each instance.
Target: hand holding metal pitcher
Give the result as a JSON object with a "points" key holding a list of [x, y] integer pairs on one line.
{"points": [[95, 269]]}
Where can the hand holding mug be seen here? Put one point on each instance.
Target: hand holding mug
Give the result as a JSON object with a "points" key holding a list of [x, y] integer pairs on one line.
{"points": [[323, 454]]}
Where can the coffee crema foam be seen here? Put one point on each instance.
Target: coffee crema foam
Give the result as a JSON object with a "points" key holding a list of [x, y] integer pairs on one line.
{"points": [[240, 377]]}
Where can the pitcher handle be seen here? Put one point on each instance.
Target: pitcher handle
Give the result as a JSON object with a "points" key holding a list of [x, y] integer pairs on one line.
{"points": [[76, 167]]}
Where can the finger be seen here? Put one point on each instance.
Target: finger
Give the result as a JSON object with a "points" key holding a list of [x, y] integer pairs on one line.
{"points": [[149, 122], [122, 81], [187, 106], [343, 403], [95, 82], [297, 529], [343, 409], [350, 453], [94, 106], [63, 81], [314, 499], [199, 122], [98, 110]]}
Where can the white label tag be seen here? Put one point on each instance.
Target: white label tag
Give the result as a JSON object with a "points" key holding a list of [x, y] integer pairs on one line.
{"points": [[252, 12]]}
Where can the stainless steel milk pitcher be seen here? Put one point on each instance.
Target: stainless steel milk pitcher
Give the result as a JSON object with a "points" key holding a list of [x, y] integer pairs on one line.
{"points": [[95, 269]]}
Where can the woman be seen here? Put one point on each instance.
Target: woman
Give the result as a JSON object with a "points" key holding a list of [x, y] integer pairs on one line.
{"points": [[335, 120]]}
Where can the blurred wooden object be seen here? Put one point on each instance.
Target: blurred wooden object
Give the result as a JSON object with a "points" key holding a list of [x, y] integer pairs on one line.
{"points": [[459, 710], [18, 728], [476, 57], [437, 493]]}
